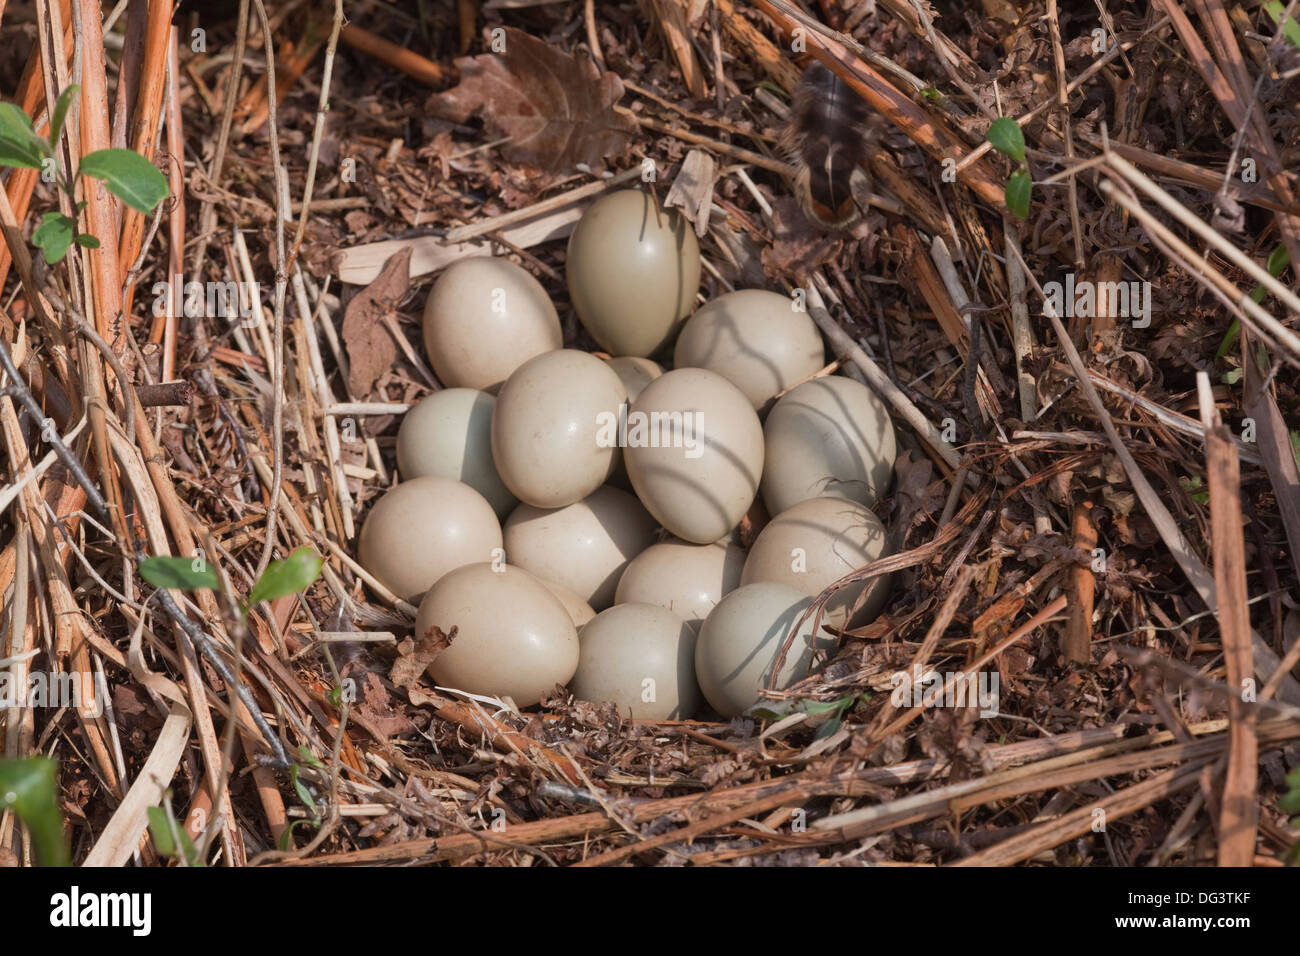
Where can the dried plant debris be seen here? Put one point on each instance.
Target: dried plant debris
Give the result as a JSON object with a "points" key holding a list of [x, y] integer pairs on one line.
{"points": [[1072, 279]]}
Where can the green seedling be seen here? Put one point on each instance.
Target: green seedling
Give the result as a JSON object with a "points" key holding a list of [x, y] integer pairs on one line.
{"points": [[28, 788], [170, 837], [126, 173], [291, 575], [1290, 28], [1007, 138]]}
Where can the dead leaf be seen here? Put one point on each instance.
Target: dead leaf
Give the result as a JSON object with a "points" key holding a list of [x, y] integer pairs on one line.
{"points": [[370, 346], [377, 706], [692, 189], [556, 108], [416, 653], [798, 247]]}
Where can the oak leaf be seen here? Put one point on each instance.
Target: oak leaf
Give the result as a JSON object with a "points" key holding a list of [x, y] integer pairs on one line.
{"points": [[557, 109]]}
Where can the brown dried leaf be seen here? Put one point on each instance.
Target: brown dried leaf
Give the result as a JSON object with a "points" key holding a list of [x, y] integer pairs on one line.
{"points": [[557, 109], [371, 349], [798, 247], [416, 653]]}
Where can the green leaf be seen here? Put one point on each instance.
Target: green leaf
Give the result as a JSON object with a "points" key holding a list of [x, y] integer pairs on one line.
{"points": [[301, 789], [54, 235], [1230, 337], [1194, 487], [29, 788], [1295, 453], [1290, 802], [286, 838], [295, 573], [1007, 138], [61, 113], [1019, 186], [309, 758], [171, 572], [1290, 29], [19, 144], [87, 240], [831, 726], [129, 176], [1278, 260], [1293, 779], [1232, 376], [161, 826], [161, 829]]}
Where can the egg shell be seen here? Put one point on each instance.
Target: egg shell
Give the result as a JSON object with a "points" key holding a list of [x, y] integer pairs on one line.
{"points": [[635, 373], [830, 437], [631, 652], [513, 637], [424, 528], [579, 611], [584, 546], [697, 475], [549, 428], [814, 544], [449, 434], [687, 579], [633, 270], [483, 319], [754, 339], [741, 639]]}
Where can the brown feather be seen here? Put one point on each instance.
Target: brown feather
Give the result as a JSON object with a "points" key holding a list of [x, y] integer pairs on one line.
{"points": [[827, 140]]}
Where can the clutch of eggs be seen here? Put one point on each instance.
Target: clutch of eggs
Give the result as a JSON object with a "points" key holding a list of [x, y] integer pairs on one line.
{"points": [[568, 520]]}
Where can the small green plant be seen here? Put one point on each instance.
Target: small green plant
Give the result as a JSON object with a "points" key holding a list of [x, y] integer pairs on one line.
{"points": [[1195, 487], [1290, 29], [170, 836], [305, 795], [28, 788], [1006, 137], [295, 573], [126, 173]]}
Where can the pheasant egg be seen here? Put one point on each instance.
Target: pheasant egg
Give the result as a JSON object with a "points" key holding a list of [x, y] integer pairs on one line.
{"points": [[449, 434], [513, 637], [579, 611], [814, 544], [635, 373], [741, 639], [633, 270], [687, 579], [554, 428], [484, 318], [829, 437], [584, 546], [694, 453], [422, 529], [754, 339], [642, 658]]}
